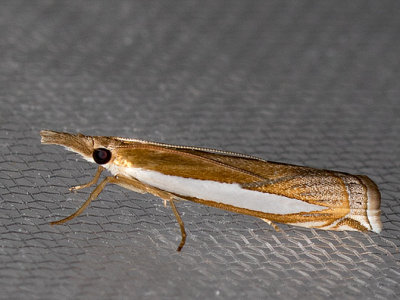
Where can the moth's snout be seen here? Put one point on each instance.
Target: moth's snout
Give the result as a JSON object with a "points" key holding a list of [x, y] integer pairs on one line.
{"points": [[51, 137], [78, 143]]}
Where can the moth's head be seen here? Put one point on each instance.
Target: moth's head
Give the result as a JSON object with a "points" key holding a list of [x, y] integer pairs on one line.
{"points": [[96, 149]]}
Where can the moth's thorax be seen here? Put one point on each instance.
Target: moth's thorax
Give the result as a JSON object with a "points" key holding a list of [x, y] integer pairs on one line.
{"points": [[120, 161], [118, 166]]}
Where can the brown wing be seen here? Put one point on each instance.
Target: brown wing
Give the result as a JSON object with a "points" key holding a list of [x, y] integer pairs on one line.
{"points": [[308, 184]]}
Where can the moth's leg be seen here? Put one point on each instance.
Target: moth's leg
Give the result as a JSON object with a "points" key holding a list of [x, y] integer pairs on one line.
{"points": [[134, 184], [93, 181], [93, 195], [181, 225], [137, 186], [272, 224]]}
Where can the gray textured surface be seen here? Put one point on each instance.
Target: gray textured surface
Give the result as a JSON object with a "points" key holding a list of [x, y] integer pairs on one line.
{"points": [[305, 82]]}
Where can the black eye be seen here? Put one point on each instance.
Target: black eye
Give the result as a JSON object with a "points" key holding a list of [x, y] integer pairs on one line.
{"points": [[101, 156]]}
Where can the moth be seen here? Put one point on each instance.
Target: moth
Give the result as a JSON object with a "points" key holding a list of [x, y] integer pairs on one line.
{"points": [[274, 192]]}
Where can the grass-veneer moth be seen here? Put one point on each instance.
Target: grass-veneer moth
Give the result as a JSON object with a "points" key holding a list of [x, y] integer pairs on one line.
{"points": [[274, 192]]}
